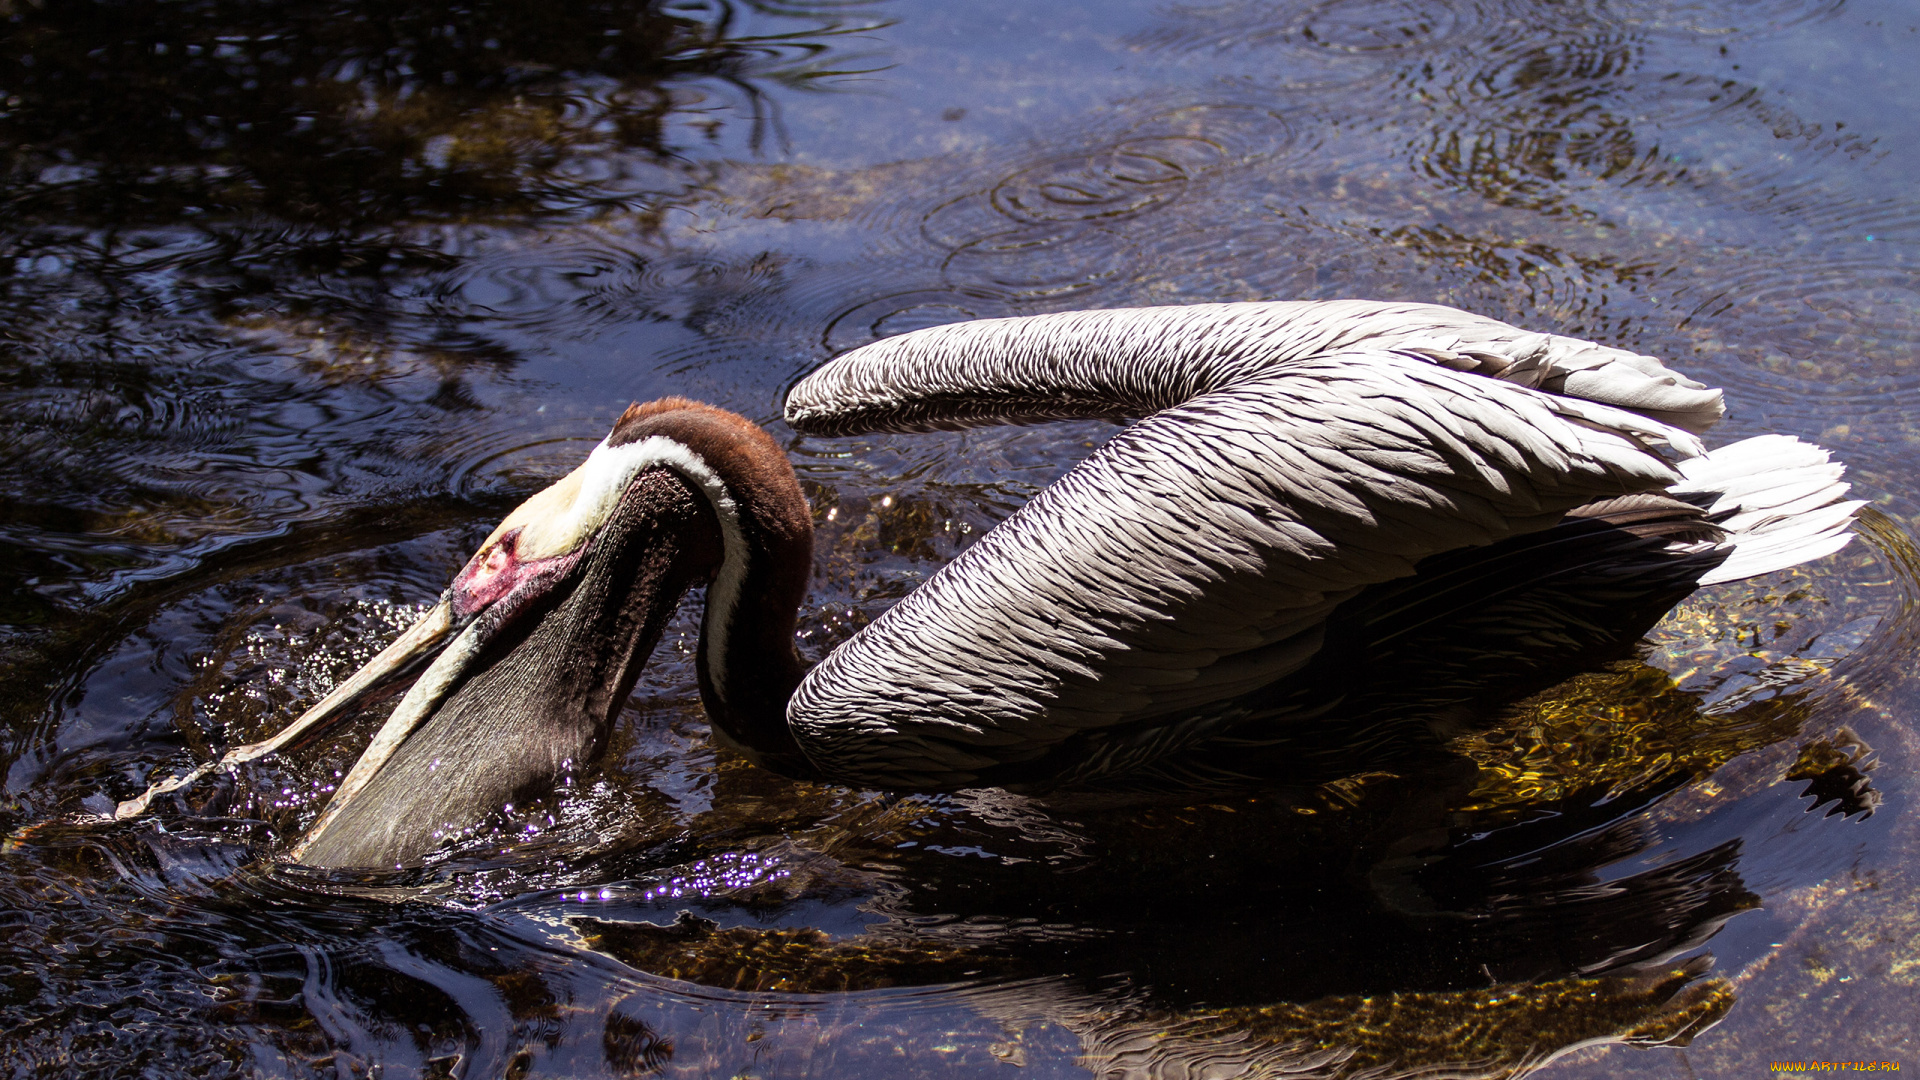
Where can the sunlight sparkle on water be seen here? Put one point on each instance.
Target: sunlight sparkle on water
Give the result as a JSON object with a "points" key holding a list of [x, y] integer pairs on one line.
{"points": [[720, 874]]}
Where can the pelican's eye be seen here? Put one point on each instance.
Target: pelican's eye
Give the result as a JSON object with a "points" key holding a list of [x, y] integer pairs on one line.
{"points": [[489, 575], [498, 560]]}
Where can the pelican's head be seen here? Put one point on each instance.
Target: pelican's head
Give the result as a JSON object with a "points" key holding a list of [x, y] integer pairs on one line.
{"points": [[532, 649]]}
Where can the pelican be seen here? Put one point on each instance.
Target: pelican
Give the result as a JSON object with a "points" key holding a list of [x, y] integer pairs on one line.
{"points": [[1305, 483]]}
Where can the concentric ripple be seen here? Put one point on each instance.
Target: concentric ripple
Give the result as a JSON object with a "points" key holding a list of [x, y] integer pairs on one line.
{"points": [[1725, 21]]}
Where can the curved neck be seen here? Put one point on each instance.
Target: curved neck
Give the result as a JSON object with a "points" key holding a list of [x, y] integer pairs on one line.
{"points": [[747, 663]]}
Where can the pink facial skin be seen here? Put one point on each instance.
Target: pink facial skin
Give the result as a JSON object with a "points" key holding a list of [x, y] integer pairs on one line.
{"points": [[498, 581]]}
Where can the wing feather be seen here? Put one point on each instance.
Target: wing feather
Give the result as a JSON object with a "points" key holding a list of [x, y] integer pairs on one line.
{"points": [[1138, 361], [1193, 558]]}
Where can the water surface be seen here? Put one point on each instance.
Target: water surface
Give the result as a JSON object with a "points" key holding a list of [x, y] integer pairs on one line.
{"points": [[299, 298]]}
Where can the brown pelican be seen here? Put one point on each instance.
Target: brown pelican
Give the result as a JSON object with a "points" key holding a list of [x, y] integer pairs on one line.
{"points": [[1305, 481]]}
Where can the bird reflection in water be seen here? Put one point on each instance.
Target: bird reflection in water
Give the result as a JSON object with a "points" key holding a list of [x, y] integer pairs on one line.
{"points": [[1418, 920]]}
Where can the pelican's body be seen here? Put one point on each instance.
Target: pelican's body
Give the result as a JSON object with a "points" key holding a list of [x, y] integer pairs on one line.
{"points": [[1310, 484]]}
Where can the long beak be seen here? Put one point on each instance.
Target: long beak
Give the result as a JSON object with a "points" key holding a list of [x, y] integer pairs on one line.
{"points": [[395, 660], [422, 698], [534, 550]]}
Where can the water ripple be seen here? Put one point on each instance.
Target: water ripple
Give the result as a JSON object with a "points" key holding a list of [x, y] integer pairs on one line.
{"points": [[1724, 22], [1338, 27]]}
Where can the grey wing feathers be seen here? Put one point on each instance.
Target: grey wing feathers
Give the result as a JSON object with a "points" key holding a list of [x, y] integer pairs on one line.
{"points": [[1783, 502], [1196, 555], [1134, 362], [1293, 454]]}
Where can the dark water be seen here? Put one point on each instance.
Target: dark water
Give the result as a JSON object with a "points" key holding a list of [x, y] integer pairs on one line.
{"points": [[299, 298]]}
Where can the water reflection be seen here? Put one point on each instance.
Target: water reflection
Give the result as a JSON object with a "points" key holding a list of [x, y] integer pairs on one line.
{"points": [[337, 113]]}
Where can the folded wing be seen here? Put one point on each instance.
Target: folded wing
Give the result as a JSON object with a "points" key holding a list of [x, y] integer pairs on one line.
{"points": [[1291, 455]]}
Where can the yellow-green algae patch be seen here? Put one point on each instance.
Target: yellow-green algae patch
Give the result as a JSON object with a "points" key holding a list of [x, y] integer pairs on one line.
{"points": [[1489, 1034], [792, 961]]}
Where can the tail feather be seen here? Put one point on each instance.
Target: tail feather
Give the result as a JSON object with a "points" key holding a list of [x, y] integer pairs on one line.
{"points": [[1781, 501], [1473, 629]]}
